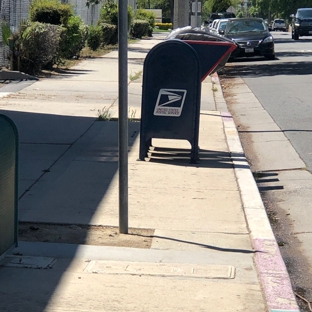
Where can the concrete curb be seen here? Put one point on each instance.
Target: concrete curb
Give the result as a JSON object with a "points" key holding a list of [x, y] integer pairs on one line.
{"points": [[272, 272]]}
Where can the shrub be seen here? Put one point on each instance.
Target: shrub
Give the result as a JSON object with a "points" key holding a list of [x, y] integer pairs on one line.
{"points": [[74, 38], [114, 38], [163, 26], [50, 11], [6, 32], [39, 44], [109, 13], [146, 16], [108, 33], [94, 37], [139, 29]]}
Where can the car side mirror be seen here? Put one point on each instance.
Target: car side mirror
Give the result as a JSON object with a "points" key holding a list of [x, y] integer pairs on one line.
{"points": [[221, 32]]}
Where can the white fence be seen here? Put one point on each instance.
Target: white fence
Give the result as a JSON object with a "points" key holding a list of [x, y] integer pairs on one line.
{"points": [[12, 12]]}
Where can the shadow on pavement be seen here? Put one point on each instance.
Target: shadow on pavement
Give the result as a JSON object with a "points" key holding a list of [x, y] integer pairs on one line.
{"points": [[207, 158], [67, 164], [244, 251], [61, 73], [271, 69]]}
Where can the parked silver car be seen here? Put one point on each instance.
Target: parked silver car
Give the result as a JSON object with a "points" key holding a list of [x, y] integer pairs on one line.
{"points": [[279, 24]]}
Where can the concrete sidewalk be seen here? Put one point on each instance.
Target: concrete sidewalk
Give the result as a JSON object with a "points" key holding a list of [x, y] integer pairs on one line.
{"points": [[212, 246]]}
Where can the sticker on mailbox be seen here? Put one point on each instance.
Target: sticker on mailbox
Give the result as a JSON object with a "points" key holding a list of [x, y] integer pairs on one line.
{"points": [[170, 102]]}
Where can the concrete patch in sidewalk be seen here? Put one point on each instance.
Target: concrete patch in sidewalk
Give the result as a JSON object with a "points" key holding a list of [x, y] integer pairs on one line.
{"points": [[27, 262], [161, 269]]}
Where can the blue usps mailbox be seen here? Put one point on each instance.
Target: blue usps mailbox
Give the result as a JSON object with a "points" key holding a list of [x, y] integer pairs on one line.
{"points": [[171, 95], [8, 183], [172, 75]]}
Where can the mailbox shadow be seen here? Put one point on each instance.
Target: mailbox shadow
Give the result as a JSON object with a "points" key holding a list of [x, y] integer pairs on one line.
{"points": [[267, 181], [207, 158]]}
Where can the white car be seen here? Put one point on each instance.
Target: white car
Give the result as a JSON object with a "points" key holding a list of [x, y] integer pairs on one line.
{"points": [[279, 24], [214, 24], [220, 27]]}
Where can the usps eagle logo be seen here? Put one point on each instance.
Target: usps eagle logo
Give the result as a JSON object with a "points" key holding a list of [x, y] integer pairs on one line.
{"points": [[170, 102]]}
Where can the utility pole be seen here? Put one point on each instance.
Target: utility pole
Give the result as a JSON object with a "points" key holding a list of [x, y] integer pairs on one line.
{"points": [[196, 13], [123, 115]]}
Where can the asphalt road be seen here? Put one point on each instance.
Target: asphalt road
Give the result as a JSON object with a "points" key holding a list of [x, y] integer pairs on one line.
{"points": [[285, 92], [280, 94]]}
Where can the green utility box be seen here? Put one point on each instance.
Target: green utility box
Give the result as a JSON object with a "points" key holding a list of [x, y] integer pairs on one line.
{"points": [[8, 184]]}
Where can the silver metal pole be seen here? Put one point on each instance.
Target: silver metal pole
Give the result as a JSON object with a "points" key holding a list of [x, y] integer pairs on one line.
{"points": [[123, 114]]}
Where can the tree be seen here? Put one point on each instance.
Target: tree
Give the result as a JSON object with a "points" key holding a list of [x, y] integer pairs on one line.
{"points": [[279, 8], [211, 6]]}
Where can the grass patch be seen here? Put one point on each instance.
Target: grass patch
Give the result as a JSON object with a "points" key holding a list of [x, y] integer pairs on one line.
{"points": [[132, 114], [156, 30], [135, 76], [133, 40], [104, 114], [89, 53]]}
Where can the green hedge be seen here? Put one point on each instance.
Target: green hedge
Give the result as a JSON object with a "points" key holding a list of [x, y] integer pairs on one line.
{"points": [[163, 26], [109, 13], [50, 12], [148, 16], [39, 43], [139, 29], [74, 38], [94, 37], [109, 34], [145, 15]]}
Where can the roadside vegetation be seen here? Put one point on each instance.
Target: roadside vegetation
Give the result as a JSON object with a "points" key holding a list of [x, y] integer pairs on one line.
{"points": [[53, 37]]}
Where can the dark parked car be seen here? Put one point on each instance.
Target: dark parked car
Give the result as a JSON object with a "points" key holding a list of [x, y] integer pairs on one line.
{"points": [[251, 36], [301, 24]]}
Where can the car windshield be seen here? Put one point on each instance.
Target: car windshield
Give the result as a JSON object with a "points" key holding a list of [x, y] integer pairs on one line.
{"points": [[304, 14], [222, 25], [279, 21], [243, 26]]}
